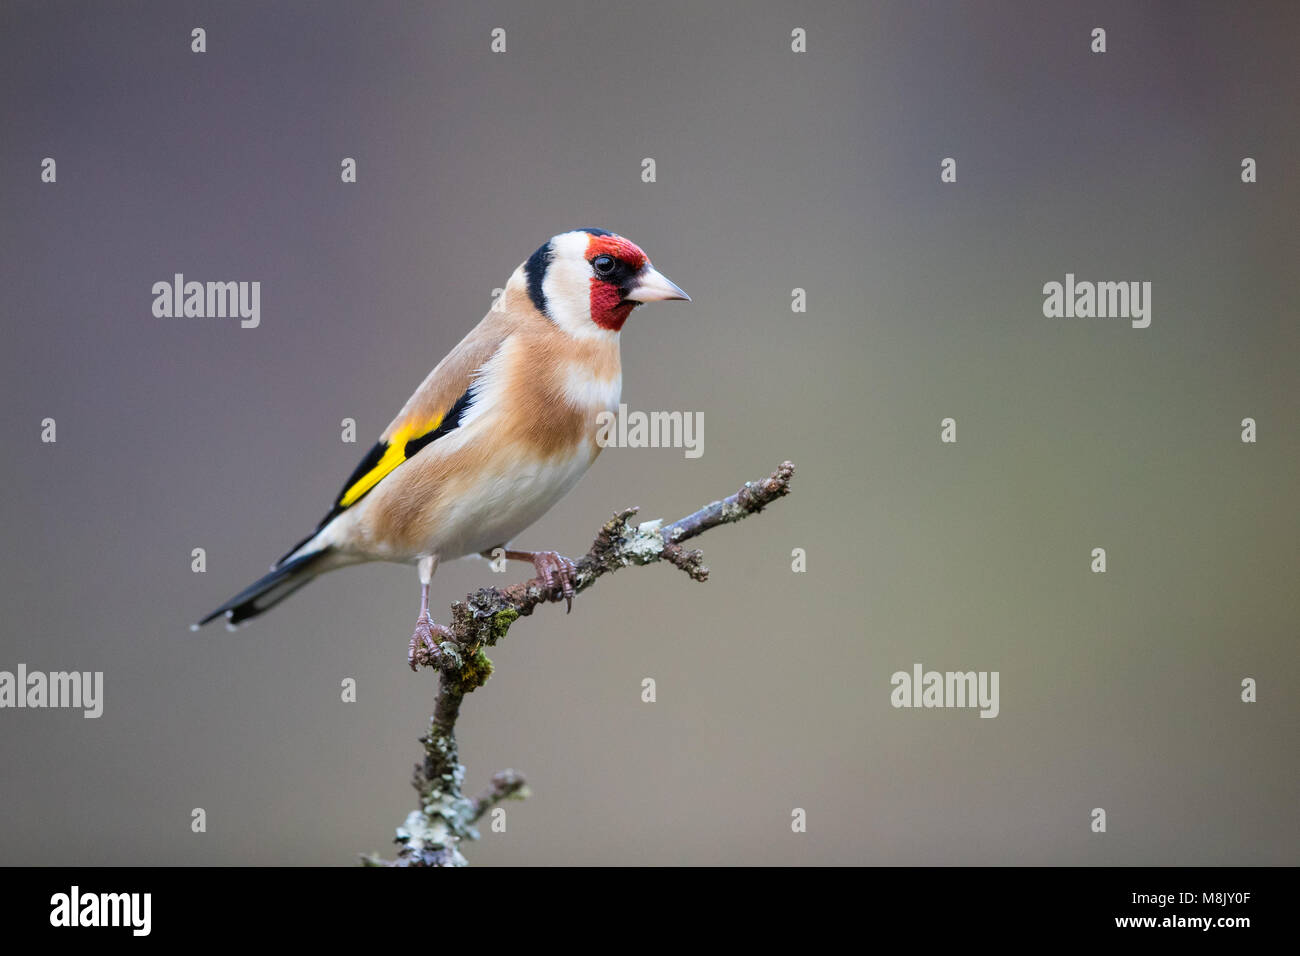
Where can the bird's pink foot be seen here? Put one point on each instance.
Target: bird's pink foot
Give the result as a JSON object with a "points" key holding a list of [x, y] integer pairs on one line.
{"points": [[558, 573], [424, 650]]}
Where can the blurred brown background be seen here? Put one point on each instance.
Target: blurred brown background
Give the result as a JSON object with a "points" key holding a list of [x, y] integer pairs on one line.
{"points": [[775, 170]]}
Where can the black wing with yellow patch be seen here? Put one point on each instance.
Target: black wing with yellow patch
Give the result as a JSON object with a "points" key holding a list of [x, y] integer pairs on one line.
{"points": [[404, 444]]}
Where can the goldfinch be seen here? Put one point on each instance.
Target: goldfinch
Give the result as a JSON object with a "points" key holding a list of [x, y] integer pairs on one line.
{"points": [[495, 435]]}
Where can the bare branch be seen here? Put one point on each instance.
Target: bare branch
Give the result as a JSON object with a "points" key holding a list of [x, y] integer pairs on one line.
{"points": [[506, 785], [431, 834]]}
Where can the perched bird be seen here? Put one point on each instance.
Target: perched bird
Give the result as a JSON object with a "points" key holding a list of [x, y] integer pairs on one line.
{"points": [[495, 435]]}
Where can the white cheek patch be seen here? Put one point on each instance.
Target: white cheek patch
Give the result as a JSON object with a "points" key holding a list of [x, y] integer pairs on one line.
{"points": [[567, 287]]}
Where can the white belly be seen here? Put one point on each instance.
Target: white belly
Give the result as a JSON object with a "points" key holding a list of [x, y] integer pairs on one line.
{"points": [[505, 504]]}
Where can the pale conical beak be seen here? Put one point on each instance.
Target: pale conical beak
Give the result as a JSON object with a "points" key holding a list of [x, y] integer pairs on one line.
{"points": [[653, 286]]}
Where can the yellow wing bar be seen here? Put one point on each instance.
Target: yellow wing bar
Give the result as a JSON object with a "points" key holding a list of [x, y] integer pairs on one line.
{"points": [[394, 454]]}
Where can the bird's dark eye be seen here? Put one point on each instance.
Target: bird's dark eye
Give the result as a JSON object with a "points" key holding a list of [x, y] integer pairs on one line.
{"points": [[603, 265]]}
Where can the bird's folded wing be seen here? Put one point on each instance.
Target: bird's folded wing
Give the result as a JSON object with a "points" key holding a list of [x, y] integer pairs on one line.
{"points": [[436, 409]]}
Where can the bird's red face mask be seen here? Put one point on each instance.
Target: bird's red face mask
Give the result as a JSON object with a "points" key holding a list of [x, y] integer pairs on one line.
{"points": [[623, 278]]}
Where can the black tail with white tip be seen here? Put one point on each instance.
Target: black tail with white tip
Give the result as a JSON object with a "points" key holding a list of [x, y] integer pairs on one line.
{"points": [[266, 593]]}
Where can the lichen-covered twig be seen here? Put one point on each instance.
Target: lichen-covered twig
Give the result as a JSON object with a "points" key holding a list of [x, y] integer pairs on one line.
{"points": [[432, 833], [506, 785]]}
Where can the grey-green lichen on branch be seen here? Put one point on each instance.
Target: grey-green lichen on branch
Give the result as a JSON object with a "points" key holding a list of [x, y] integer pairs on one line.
{"points": [[431, 834]]}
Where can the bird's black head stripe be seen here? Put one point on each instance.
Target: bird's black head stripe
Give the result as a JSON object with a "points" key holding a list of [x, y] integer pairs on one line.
{"points": [[535, 273]]}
